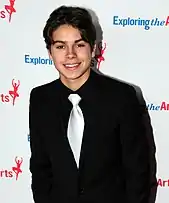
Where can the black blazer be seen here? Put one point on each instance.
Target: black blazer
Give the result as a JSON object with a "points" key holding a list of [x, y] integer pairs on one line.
{"points": [[114, 161]]}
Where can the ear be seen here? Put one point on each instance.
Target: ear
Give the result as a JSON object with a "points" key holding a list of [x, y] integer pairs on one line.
{"points": [[94, 51]]}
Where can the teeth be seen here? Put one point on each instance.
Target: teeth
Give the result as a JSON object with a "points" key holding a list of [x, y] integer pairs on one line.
{"points": [[71, 65]]}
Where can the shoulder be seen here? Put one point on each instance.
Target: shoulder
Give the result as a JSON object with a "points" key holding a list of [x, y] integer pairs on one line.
{"points": [[43, 91], [122, 93], [116, 87]]}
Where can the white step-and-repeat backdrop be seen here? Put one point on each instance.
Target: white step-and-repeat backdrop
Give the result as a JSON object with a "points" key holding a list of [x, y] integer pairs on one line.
{"points": [[135, 38]]}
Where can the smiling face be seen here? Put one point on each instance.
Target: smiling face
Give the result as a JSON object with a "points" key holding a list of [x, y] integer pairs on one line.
{"points": [[71, 56]]}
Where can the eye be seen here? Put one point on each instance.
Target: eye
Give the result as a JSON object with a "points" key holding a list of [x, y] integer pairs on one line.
{"points": [[60, 47], [80, 45]]}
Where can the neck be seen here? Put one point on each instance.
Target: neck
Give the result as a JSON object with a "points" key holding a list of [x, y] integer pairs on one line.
{"points": [[75, 84]]}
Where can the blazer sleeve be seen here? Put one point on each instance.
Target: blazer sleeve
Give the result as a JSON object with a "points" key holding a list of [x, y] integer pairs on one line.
{"points": [[135, 150], [39, 162]]}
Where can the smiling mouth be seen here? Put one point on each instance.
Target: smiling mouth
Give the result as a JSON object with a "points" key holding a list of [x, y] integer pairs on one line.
{"points": [[72, 65]]}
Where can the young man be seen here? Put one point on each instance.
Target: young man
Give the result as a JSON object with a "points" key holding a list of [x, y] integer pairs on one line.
{"points": [[88, 142]]}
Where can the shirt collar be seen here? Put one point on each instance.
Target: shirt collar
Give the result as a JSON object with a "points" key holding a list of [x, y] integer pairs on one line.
{"points": [[85, 91]]}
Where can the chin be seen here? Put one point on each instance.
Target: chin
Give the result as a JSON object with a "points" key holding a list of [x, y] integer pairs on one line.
{"points": [[74, 75]]}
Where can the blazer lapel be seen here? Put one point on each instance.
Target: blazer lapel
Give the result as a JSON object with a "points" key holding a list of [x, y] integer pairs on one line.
{"points": [[89, 112]]}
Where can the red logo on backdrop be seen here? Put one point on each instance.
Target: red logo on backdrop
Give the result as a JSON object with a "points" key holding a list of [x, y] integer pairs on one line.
{"points": [[99, 58], [12, 94], [8, 10], [15, 171]]}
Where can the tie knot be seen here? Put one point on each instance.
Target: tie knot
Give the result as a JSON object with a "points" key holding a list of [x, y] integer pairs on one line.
{"points": [[74, 98]]}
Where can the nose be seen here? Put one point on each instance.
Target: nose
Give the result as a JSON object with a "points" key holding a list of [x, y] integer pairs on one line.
{"points": [[71, 52]]}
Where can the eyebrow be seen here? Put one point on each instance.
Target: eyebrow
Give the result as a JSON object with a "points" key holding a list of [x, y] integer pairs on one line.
{"points": [[64, 42]]}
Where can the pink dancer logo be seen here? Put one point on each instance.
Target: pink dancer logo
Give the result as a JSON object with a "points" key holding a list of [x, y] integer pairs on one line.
{"points": [[100, 57], [17, 169], [10, 8], [14, 93]]}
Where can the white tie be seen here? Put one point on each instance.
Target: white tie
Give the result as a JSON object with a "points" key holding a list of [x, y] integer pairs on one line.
{"points": [[75, 127]]}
